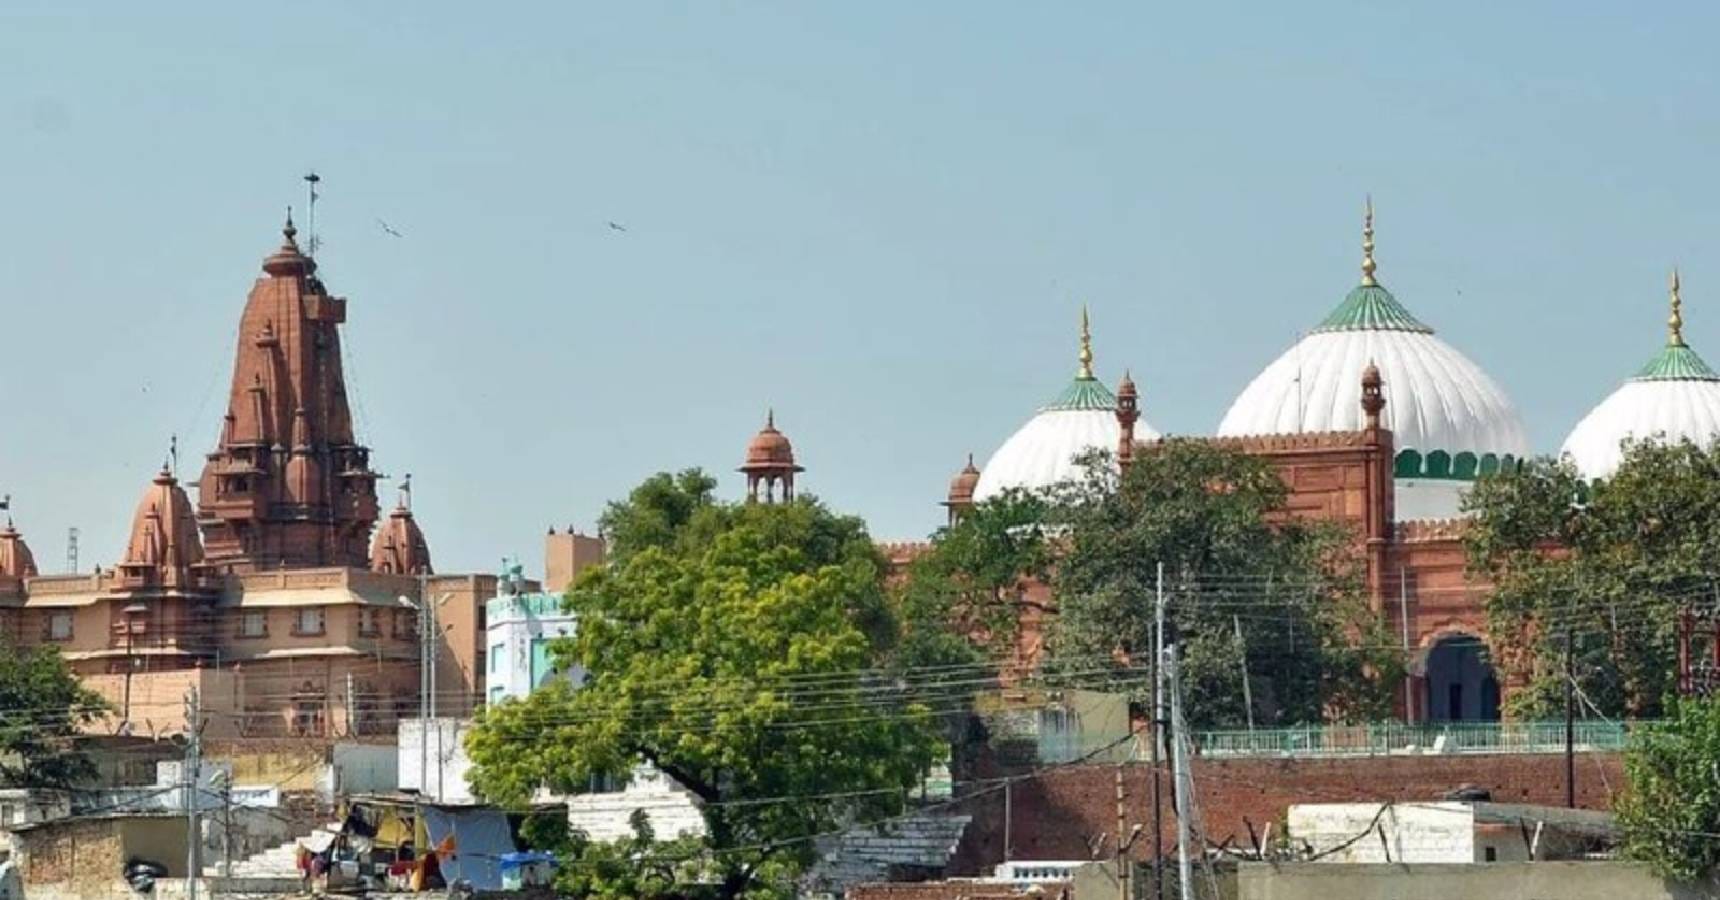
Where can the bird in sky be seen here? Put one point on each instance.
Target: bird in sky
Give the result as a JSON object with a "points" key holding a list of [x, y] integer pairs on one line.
{"points": [[617, 227], [389, 228]]}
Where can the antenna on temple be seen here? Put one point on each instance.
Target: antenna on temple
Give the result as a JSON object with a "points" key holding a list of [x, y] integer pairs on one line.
{"points": [[173, 453], [312, 179]]}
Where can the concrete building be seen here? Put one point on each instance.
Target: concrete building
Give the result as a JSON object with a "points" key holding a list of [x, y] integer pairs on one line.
{"points": [[1448, 832], [521, 624]]}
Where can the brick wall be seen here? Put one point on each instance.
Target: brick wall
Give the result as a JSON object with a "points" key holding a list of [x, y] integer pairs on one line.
{"points": [[72, 853], [1058, 814], [949, 890]]}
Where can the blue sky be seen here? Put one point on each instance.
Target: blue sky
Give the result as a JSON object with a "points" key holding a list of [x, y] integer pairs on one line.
{"points": [[878, 218]]}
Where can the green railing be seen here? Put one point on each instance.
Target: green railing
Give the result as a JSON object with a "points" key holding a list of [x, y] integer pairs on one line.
{"points": [[1396, 737]]}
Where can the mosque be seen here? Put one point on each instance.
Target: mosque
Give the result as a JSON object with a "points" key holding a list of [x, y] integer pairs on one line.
{"points": [[1374, 421], [293, 605]]}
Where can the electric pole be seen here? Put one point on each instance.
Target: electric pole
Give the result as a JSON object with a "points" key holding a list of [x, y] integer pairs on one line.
{"points": [[1156, 733], [1183, 783], [193, 747], [1570, 721]]}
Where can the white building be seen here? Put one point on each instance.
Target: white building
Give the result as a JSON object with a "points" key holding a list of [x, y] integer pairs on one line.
{"points": [[1452, 831], [520, 625]]}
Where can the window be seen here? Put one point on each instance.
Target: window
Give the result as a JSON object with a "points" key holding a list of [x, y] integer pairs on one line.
{"points": [[543, 665], [496, 651], [368, 624], [405, 623], [308, 621], [253, 624], [1492, 854], [60, 626]]}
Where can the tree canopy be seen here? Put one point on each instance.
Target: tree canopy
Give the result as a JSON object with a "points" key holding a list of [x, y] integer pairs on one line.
{"points": [[1232, 561], [45, 707], [1670, 808], [1607, 564], [734, 647]]}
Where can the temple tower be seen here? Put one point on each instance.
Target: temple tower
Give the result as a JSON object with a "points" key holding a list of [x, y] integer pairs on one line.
{"points": [[288, 486]]}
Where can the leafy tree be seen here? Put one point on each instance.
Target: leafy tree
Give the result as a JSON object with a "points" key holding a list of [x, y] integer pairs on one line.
{"points": [[46, 707], [962, 600], [1212, 516], [727, 645], [1607, 565], [1670, 808]]}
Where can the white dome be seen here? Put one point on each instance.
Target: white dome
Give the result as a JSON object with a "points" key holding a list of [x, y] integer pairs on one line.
{"points": [[1675, 397], [1448, 419], [1042, 452]]}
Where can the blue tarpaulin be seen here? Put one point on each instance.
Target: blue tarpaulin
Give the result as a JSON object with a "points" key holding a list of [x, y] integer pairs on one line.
{"points": [[481, 839]]}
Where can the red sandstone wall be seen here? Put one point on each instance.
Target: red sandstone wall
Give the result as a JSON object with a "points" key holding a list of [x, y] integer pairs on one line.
{"points": [[1055, 815]]}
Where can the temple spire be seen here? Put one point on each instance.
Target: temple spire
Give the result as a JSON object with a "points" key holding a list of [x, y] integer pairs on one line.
{"points": [[1368, 244], [1086, 371], [1675, 322]]}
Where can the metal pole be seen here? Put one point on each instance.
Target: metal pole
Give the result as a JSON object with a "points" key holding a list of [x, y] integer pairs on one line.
{"points": [[1570, 721], [1179, 767], [193, 725], [351, 719], [423, 689], [130, 664], [1242, 660], [1403, 619], [1154, 734], [1122, 836], [227, 826]]}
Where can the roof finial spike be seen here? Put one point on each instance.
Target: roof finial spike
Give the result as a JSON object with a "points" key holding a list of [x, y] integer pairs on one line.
{"points": [[1086, 372], [1368, 244], [1675, 322], [770, 417], [288, 229]]}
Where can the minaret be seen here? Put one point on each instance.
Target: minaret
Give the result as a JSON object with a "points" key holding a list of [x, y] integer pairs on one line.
{"points": [[960, 498], [770, 462], [1128, 413], [288, 485]]}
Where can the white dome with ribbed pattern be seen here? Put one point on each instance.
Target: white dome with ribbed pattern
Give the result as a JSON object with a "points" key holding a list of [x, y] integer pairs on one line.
{"points": [[1042, 452], [1449, 420]]}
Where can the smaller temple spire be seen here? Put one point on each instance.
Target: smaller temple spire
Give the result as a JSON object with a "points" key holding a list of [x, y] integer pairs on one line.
{"points": [[1368, 264], [1086, 371], [1675, 322]]}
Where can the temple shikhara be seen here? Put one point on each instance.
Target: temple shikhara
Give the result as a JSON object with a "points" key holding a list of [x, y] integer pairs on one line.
{"points": [[295, 604], [276, 594]]}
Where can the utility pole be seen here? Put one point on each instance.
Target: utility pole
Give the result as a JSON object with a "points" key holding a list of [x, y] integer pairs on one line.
{"points": [[1403, 619], [1570, 720], [351, 719], [1183, 784], [1157, 733], [1242, 657], [193, 746], [1122, 838]]}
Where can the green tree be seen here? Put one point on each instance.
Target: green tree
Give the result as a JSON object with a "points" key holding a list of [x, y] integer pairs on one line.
{"points": [[46, 707], [962, 599], [1212, 517], [1670, 808], [1608, 565], [735, 648]]}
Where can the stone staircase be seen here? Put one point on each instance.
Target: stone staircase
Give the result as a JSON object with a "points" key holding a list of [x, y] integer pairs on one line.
{"points": [[274, 864]]}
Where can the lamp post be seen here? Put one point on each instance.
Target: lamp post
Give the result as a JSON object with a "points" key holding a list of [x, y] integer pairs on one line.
{"points": [[130, 614]]}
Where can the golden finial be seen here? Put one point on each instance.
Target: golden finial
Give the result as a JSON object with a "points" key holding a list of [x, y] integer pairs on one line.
{"points": [[1368, 244], [1675, 322], [1086, 346]]}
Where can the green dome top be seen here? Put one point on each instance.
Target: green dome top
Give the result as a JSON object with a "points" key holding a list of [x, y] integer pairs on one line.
{"points": [[1085, 392], [1370, 307], [1676, 362]]}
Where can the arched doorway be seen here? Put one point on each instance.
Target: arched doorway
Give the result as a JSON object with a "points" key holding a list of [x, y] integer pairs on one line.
{"points": [[1461, 684]]}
